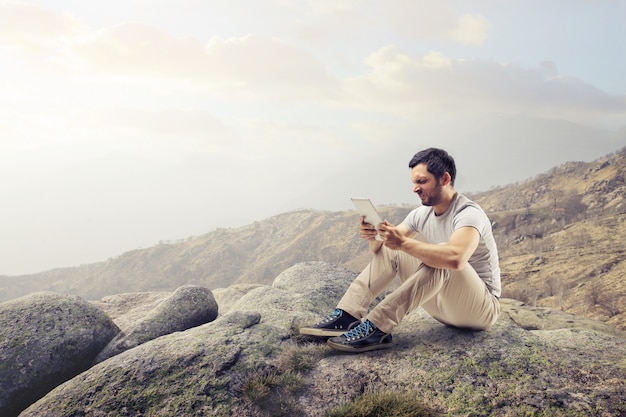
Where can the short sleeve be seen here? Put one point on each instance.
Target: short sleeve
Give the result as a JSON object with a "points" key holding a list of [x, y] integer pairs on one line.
{"points": [[412, 220], [470, 216]]}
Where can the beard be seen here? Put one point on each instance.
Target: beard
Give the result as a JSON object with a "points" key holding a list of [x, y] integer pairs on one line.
{"points": [[434, 197]]}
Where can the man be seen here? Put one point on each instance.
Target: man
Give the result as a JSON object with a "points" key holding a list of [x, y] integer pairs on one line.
{"points": [[444, 253]]}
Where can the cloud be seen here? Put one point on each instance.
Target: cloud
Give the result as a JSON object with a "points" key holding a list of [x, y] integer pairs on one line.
{"points": [[420, 87], [293, 140], [434, 20], [246, 66], [412, 19], [269, 69], [194, 126], [31, 28], [134, 49], [471, 30]]}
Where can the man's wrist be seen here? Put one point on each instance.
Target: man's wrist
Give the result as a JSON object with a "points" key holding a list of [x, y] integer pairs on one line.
{"points": [[375, 245], [407, 245]]}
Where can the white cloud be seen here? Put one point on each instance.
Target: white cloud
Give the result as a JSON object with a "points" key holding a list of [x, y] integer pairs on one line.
{"points": [[193, 126], [293, 140], [262, 68], [140, 50], [267, 65], [30, 28], [247, 66], [244, 66], [471, 30], [423, 87], [434, 19], [436, 60]]}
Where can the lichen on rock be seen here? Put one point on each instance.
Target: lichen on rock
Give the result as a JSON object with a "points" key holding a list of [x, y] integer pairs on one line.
{"points": [[46, 339]]}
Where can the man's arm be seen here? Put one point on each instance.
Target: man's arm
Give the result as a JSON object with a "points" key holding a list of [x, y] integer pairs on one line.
{"points": [[453, 255]]}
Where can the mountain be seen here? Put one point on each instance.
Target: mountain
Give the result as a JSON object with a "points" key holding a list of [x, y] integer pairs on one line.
{"points": [[255, 253], [560, 236]]}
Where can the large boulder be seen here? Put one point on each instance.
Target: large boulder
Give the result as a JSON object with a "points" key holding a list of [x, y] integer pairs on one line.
{"points": [[127, 309], [301, 293], [46, 339], [226, 297], [182, 374], [187, 307], [253, 362]]}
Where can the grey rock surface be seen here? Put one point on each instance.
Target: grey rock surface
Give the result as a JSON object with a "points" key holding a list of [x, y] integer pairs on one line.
{"points": [[252, 362], [129, 308], [46, 339], [227, 297], [187, 307]]}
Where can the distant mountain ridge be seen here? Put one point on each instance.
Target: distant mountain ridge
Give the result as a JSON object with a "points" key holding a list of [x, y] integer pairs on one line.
{"points": [[560, 237], [255, 253]]}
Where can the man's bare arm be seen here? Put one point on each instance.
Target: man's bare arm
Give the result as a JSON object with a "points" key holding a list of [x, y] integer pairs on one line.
{"points": [[453, 255]]}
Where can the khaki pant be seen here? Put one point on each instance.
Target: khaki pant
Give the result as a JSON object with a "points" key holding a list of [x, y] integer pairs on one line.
{"points": [[455, 298]]}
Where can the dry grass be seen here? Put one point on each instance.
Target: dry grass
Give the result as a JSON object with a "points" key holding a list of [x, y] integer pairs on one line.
{"points": [[385, 404]]}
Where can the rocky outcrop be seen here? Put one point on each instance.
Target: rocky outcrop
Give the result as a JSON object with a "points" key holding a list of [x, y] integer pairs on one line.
{"points": [[187, 307], [252, 362], [129, 308], [226, 297], [46, 339]]}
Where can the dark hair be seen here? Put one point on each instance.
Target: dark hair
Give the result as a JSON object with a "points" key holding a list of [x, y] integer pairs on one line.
{"points": [[437, 162]]}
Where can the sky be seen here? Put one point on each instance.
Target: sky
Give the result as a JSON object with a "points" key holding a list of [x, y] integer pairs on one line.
{"points": [[124, 124]]}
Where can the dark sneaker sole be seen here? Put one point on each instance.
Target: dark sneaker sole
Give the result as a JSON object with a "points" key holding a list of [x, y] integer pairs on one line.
{"points": [[312, 331], [352, 349]]}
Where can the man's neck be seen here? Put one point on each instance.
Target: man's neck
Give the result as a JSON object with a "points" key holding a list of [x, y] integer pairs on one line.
{"points": [[442, 207]]}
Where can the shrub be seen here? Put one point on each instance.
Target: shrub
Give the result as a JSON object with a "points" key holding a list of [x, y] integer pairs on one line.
{"points": [[385, 404], [271, 390]]}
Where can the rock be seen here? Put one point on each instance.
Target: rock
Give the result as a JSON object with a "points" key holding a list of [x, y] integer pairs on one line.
{"points": [[541, 318], [181, 374], [506, 370], [301, 293], [317, 285], [129, 308], [226, 297], [46, 339], [252, 362], [187, 307]]}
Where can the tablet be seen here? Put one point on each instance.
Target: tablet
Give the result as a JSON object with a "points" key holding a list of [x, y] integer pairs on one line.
{"points": [[365, 208]]}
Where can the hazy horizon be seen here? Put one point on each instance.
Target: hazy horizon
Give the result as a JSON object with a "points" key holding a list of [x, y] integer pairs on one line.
{"points": [[129, 123]]}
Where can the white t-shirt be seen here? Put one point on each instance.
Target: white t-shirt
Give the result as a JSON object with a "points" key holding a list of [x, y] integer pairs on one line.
{"points": [[461, 213]]}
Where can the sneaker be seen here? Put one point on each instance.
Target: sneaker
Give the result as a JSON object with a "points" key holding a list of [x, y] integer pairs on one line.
{"points": [[335, 324], [362, 338]]}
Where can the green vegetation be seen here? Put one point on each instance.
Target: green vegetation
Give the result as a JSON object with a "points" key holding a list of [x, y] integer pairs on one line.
{"points": [[272, 389], [384, 404]]}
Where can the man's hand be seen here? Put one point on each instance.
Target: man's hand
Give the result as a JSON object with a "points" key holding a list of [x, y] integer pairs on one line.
{"points": [[368, 231], [393, 237]]}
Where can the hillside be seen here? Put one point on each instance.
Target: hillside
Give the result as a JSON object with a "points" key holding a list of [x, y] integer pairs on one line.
{"points": [[560, 236], [255, 253]]}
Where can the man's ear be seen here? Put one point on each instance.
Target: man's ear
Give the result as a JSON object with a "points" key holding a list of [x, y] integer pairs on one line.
{"points": [[446, 178]]}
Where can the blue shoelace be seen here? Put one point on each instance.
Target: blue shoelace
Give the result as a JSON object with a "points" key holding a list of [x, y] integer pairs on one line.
{"points": [[332, 316], [361, 331]]}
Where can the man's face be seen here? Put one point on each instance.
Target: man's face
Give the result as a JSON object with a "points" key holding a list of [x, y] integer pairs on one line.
{"points": [[426, 186]]}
